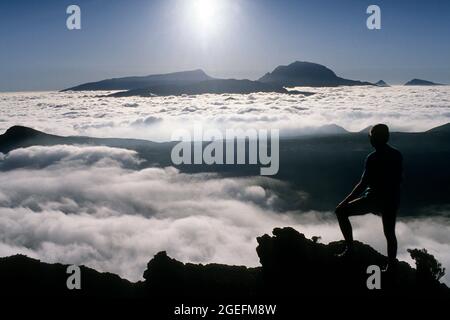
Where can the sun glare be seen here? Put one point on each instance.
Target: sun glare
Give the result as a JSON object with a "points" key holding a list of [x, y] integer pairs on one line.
{"points": [[206, 15], [205, 10]]}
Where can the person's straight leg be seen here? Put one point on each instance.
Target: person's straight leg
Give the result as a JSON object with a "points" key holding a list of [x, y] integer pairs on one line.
{"points": [[388, 218]]}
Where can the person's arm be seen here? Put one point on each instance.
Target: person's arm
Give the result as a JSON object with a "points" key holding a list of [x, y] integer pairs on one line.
{"points": [[357, 190], [360, 187]]}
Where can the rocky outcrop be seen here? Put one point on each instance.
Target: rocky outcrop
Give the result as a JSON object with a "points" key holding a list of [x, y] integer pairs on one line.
{"points": [[291, 266]]}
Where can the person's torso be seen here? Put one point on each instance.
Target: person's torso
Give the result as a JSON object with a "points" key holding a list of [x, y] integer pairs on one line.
{"points": [[384, 168]]}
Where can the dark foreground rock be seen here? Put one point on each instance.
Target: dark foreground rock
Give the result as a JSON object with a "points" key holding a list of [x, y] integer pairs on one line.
{"points": [[292, 267], [21, 276]]}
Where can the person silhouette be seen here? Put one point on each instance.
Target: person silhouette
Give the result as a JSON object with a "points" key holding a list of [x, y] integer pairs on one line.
{"points": [[377, 192]]}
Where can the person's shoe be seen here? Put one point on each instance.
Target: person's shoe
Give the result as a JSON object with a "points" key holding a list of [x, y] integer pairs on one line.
{"points": [[348, 251], [391, 267]]}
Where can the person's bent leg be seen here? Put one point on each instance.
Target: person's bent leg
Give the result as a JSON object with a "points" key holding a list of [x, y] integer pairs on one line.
{"points": [[345, 225], [358, 206]]}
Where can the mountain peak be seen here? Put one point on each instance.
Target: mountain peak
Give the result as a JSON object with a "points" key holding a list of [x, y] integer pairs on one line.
{"points": [[311, 65], [420, 82], [21, 132], [200, 72], [382, 83], [21, 136], [303, 73]]}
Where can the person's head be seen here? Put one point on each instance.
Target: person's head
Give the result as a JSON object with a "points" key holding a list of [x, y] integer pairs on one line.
{"points": [[379, 135]]}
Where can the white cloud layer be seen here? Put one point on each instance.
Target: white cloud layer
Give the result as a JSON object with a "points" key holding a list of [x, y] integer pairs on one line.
{"points": [[91, 205], [155, 118]]}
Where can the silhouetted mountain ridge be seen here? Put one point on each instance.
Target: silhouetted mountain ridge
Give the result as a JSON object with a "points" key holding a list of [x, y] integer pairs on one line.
{"points": [[22, 137], [330, 154], [17, 136], [198, 82], [298, 73], [216, 86], [445, 128], [289, 261], [130, 83]]}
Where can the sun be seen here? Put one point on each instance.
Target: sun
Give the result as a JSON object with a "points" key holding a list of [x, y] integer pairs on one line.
{"points": [[206, 15], [207, 20], [205, 11]]}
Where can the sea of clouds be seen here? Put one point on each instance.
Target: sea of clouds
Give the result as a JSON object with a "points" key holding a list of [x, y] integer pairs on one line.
{"points": [[95, 206], [155, 118]]}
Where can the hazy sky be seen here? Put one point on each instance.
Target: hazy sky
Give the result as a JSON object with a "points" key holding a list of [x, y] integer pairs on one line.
{"points": [[226, 38]]}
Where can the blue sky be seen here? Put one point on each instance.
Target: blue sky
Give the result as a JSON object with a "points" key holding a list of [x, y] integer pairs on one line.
{"points": [[236, 38]]}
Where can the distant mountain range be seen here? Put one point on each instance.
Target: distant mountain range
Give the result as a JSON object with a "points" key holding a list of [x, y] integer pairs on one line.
{"points": [[198, 82], [328, 153], [193, 82]]}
